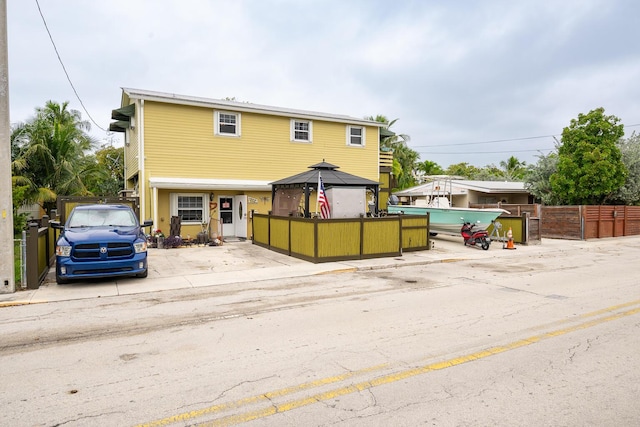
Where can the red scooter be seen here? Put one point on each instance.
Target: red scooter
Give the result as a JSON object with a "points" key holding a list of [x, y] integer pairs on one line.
{"points": [[475, 237]]}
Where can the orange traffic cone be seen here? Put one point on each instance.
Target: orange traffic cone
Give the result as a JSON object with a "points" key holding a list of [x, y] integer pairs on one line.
{"points": [[510, 240]]}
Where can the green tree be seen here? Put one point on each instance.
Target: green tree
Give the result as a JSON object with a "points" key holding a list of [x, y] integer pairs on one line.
{"points": [[537, 179], [429, 168], [629, 193], [590, 167], [488, 173], [404, 158], [463, 169], [513, 169], [19, 219], [108, 178], [50, 152]]}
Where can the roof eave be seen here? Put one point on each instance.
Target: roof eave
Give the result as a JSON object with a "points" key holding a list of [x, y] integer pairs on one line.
{"points": [[244, 107]]}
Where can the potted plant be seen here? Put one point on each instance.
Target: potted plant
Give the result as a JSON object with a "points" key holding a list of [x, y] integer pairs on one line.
{"points": [[159, 237]]}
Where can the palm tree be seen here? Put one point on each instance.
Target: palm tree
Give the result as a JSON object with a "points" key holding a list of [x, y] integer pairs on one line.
{"points": [[429, 167], [49, 151], [404, 158], [513, 169], [390, 139]]}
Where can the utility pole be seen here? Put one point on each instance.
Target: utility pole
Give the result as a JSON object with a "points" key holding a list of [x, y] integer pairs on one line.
{"points": [[7, 281]]}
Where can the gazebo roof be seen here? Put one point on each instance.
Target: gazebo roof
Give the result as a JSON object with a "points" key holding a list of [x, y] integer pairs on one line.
{"points": [[330, 177]]}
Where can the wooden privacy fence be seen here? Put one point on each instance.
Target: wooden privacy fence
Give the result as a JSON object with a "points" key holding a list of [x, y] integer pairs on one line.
{"points": [[524, 220], [41, 251], [65, 204], [590, 221], [324, 240]]}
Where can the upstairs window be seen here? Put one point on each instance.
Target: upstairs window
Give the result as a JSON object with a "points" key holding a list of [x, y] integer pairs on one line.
{"points": [[227, 123], [355, 136], [301, 130]]}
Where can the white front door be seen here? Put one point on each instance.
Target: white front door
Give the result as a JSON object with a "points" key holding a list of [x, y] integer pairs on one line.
{"points": [[240, 213], [233, 213]]}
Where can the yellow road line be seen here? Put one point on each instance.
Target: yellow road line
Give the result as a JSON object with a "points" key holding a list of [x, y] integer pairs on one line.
{"points": [[17, 303], [610, 309], [386, 379], [266, 396], [339, 270]]}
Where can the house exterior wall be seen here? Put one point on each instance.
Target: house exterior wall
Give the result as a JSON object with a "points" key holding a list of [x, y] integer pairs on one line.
{"points": [[178, 140], [473, 197], [130, 148], [476, 197], [258, 201], [131, 154]]}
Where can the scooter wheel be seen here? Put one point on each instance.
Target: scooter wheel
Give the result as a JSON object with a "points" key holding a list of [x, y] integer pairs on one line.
{"points": [[485, 244]]}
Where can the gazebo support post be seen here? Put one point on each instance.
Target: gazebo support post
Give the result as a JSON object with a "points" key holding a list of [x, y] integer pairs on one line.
{"points": [[306, 201]]}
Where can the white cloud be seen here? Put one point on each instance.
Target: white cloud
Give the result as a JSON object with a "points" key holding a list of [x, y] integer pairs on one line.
{"points": [[451, 72]]}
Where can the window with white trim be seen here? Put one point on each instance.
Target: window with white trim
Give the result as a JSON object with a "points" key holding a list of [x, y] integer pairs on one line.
{"points": [[227, 123], [355, 136], [190, 207], [301, 130]]}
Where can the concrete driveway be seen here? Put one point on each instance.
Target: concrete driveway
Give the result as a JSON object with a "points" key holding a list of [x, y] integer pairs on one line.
{"points": [[242, 261]]}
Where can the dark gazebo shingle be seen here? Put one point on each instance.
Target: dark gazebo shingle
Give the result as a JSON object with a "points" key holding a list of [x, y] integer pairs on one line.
{"points": [[330, 178]]}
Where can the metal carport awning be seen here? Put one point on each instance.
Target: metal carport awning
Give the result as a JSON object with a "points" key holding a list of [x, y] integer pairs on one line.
{"points": [[124, 113]]}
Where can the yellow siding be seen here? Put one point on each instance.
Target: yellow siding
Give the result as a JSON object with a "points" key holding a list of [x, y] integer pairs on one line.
{"points": [[259, 201], [131, 147], [131, 154], [180, 142]]}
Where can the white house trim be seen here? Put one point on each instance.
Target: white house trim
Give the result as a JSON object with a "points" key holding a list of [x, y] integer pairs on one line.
{"points": [[209, 184]]}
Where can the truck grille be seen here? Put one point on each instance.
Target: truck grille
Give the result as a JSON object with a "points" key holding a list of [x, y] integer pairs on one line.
{"points": [[91, 251]]}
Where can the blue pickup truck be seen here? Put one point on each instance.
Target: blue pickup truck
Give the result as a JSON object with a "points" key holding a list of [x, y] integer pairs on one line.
{"points": [[101, 241]]}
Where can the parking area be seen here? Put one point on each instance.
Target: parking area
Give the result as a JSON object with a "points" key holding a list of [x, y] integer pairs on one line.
{"points": [[241, 261]]}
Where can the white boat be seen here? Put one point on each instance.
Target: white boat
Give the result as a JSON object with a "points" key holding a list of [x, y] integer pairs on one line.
{"points": [[449, 220]]}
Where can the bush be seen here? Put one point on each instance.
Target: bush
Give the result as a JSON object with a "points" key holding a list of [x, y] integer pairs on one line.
{"points": [[19, 222], [172, 242]]}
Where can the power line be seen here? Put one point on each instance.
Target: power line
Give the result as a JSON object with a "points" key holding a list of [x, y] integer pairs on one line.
{"points": [[65, 69], [495, 141], [489, 142], [486, 152]]}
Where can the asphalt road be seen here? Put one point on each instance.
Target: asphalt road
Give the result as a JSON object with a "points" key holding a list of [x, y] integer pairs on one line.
{"points": [[549, 337]]}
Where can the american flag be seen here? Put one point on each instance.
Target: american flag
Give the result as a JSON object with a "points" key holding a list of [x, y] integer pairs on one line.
{"points": [[323, 203]]}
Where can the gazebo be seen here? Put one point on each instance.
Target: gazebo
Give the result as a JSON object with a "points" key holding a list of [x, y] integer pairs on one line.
{"points": [[287, 193]]}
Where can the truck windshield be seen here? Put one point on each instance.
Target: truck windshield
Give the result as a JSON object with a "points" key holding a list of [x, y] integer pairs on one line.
{"points": [[101, 218]]}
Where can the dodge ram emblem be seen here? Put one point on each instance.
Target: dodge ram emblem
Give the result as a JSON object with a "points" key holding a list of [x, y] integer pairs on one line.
{"points": [[103, 249]]}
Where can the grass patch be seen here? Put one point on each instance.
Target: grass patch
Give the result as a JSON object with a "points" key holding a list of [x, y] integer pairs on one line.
{"points": [[17, 276]]}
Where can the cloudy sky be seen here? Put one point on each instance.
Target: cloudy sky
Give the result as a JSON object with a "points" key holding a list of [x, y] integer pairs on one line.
{"points": [[469, 81]]}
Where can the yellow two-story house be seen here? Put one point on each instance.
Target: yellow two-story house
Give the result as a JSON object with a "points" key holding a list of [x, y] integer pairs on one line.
{"points": [[210, 162]]}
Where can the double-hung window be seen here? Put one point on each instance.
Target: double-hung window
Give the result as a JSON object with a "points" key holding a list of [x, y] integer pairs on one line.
{"points": [[355, 136], [301, 130], [190, 207], [227, 123]]}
